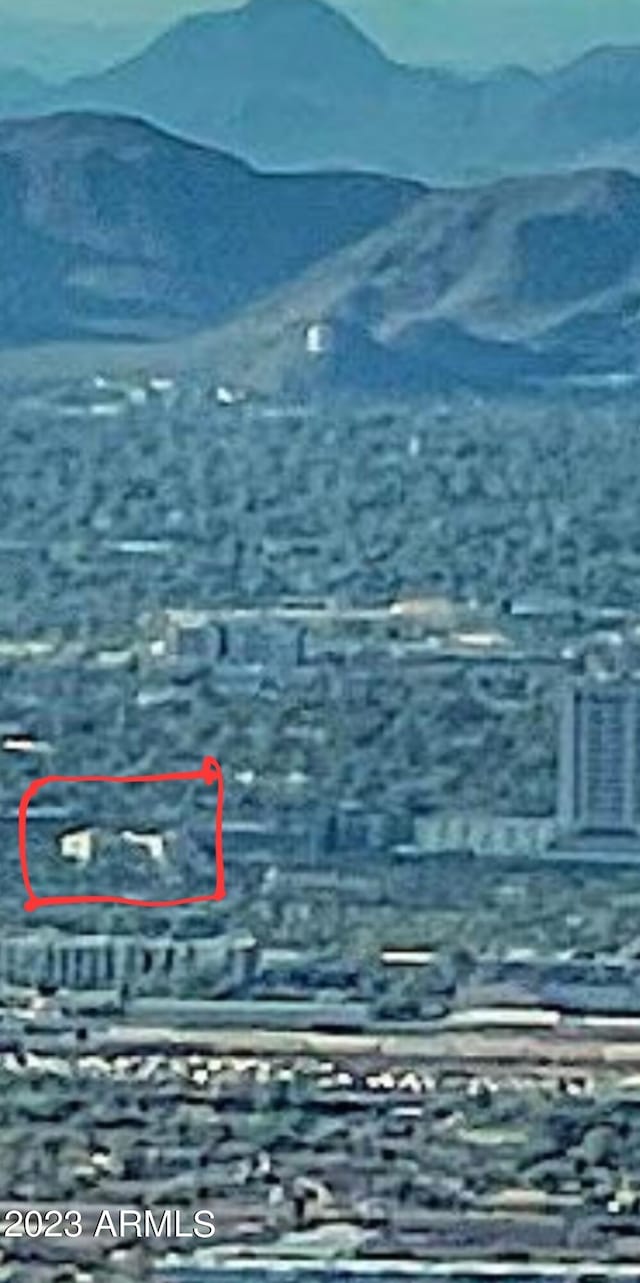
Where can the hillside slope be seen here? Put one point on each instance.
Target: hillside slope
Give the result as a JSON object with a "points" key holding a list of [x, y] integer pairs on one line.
{"points": [[20, 92], [108, 226], [525, 278]]}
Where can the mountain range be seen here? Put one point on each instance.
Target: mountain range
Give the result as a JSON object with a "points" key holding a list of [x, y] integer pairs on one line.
{"points": [[529, 279], [21, 92], [110, 228], [293, 84]]}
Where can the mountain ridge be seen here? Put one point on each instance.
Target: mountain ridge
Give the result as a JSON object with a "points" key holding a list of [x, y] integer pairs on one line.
{"points": [[296, 85], [111, 229], [110, 226], [526, 279]]}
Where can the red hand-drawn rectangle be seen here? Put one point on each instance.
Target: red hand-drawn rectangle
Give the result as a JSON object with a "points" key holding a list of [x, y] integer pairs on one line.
{"points": [[210, 772]]}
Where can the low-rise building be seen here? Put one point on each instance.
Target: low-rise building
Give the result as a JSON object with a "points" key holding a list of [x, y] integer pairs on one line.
{"points": [[95, 962], [443, 834]]}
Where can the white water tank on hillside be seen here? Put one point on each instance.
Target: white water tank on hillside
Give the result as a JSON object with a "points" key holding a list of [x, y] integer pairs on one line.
{"points": [[318, 339]]}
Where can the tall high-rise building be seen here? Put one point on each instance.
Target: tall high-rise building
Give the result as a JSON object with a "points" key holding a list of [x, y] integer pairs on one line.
{"points": [[599, 776]]}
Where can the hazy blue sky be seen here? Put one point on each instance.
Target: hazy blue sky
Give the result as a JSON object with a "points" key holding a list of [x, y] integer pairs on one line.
{"points": [[481, 31]]}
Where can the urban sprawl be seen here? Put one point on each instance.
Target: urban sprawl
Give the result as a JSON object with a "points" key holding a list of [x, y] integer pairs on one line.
{"points": [[411, 1031]]}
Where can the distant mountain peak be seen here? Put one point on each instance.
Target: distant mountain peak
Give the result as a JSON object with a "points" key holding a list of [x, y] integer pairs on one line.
{"points": [[298, 11], [293, 85], [277, 8], [270, 18]]}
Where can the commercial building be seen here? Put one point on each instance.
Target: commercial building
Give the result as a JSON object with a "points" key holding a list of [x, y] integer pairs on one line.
{"points": [[599, 767], [484, 835], [93, 962]]}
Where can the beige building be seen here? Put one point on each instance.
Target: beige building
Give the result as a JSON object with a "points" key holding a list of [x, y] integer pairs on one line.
{"points": [[484, 835]]}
